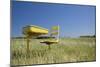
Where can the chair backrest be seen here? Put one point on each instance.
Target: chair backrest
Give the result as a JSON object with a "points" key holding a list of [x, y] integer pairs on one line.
{"points": [[54, 32]]}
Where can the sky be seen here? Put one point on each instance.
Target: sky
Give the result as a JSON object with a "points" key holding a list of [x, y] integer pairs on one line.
{"points": [[74, 20]]}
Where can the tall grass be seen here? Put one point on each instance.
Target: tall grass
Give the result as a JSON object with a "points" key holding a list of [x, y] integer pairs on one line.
{"points": [[68, 50]]}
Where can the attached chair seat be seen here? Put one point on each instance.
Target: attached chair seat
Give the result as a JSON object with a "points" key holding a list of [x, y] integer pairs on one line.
{"points": [[49, 42]]}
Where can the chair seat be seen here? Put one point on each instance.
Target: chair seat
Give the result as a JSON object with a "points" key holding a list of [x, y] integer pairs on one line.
{"points": [[50, 42]]}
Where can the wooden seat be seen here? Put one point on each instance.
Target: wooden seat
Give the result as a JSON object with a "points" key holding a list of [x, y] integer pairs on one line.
{"points": [[50, 42]]}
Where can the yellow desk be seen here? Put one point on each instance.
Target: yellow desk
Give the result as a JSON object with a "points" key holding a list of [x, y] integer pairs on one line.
{"points": [[32, 30]]}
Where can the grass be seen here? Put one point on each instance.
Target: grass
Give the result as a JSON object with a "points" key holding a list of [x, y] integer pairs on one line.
{"points": [[68, 50]]}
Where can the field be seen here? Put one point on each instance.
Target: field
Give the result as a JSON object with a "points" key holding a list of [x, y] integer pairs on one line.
{"points": [[68, 50]]}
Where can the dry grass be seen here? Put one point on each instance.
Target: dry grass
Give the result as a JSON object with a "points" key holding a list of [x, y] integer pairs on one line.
{"points": [[68, 50]]}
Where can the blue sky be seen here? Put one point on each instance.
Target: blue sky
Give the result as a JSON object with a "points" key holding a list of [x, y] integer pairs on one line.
{"points": [[74, 20]]}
